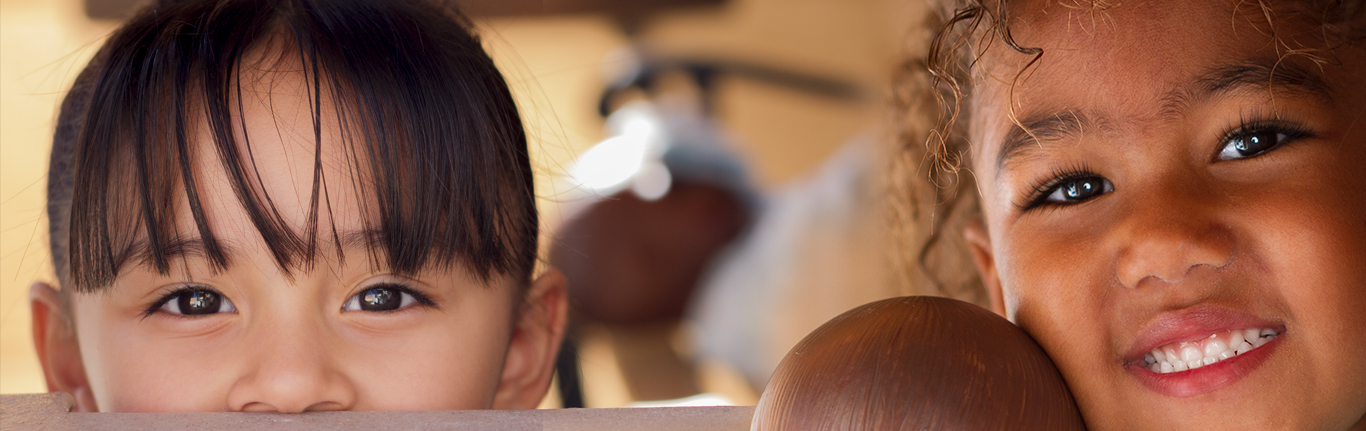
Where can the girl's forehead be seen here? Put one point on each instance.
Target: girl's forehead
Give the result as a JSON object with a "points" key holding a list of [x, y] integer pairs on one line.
{"points": [[291, 145], [1103, 50], [1135, 64]]}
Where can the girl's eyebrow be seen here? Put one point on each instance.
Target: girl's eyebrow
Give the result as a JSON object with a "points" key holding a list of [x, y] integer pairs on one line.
{"points": [[360, 239], [1038, 130], [1280, 77], [140, 251], [1276, 76]]}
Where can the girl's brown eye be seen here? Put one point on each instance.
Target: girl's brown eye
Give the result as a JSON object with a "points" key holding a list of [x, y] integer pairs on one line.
{"points": [[1256, 137], [196, 302], [1079, 189], [1251, 143], [381, 298]]}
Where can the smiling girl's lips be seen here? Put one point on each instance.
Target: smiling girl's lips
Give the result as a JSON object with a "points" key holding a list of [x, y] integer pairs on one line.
{"points": [[1221, 346]]}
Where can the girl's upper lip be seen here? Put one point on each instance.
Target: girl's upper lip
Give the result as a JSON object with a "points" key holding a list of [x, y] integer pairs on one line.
{"points": [[1192, 324]]}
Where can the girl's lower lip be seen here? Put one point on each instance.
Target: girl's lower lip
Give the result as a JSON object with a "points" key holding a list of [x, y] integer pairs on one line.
{"points": [[1208, 378]]}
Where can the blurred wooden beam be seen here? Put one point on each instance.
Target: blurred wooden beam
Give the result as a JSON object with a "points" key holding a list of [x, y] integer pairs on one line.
{"points": [[120, 9], [555, 7], [53, 412]]}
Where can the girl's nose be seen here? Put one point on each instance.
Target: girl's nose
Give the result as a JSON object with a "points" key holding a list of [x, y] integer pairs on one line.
{"points": [[1169, 233], [291, 372]]}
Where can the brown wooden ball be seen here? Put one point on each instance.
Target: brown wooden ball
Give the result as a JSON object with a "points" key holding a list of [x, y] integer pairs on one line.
{"points": [[630, 261], [917, 363]]}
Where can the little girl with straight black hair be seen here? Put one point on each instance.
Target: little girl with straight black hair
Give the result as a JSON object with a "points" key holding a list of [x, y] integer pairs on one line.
{"points": [[294, 205]]}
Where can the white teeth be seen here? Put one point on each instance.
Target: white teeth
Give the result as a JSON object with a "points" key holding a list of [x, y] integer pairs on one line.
{"points": [[1214, 347], [1235, 339], [1189, 355]]}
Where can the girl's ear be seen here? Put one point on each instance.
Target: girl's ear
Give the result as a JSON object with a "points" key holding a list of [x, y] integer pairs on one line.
{"points": [[980, 243], [55, 341], [530, 362]]}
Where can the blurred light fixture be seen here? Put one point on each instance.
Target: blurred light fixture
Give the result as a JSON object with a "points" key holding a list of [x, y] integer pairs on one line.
{"points": [[631, 157]]}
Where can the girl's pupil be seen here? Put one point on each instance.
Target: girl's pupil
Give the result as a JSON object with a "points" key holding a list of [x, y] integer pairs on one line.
{"points": [[1255, 142], [379, 299], [198, 302]]}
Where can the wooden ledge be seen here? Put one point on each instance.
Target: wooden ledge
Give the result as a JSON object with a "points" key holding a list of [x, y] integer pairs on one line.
{"points": [[53, 412]]}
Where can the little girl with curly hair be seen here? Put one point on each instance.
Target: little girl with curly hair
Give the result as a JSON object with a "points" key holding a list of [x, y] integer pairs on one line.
{"points": [[1168, 196]]}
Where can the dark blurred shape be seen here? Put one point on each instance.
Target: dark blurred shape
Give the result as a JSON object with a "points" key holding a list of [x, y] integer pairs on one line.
{"points": [[627, 9], [917, 363], [111, 9], [631, 261], [571, 378]]}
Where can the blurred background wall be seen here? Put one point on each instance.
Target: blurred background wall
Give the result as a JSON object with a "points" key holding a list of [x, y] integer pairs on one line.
{"points": [[557, 64]]}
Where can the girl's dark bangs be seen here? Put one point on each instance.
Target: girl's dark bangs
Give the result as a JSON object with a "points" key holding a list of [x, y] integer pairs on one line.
{"points": [[436, 149]]}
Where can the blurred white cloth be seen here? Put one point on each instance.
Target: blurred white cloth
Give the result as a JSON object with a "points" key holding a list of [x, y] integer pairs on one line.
{"points": [[818, 247]]}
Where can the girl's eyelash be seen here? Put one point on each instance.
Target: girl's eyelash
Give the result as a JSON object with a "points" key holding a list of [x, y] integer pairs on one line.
{"points": [[1037, 194], [172, 295]]}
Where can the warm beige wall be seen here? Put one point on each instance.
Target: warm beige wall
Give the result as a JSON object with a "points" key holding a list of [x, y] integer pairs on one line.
{"points": [[553, 64], [43, 44]]}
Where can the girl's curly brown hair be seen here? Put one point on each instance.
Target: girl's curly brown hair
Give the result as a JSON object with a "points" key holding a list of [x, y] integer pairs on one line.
{"points": [[933, 196]]}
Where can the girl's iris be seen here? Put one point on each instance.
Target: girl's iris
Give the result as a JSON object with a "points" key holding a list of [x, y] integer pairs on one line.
{"points": [[198, 302], [1084, 188], [1254, 143], [386, 297], [380, 299], [1078, 190]]}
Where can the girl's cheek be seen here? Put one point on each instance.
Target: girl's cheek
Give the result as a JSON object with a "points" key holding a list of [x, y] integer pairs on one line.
{"points": [[436, 365], [138, 366], [1049, 261], [1052, 285]]}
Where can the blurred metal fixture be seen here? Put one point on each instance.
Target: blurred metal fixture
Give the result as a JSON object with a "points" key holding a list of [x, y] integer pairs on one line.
{"points": [[703, 72]]}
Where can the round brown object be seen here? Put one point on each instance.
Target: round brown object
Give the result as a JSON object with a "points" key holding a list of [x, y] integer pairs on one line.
{"points": [[917, 363], [631, 261]]}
